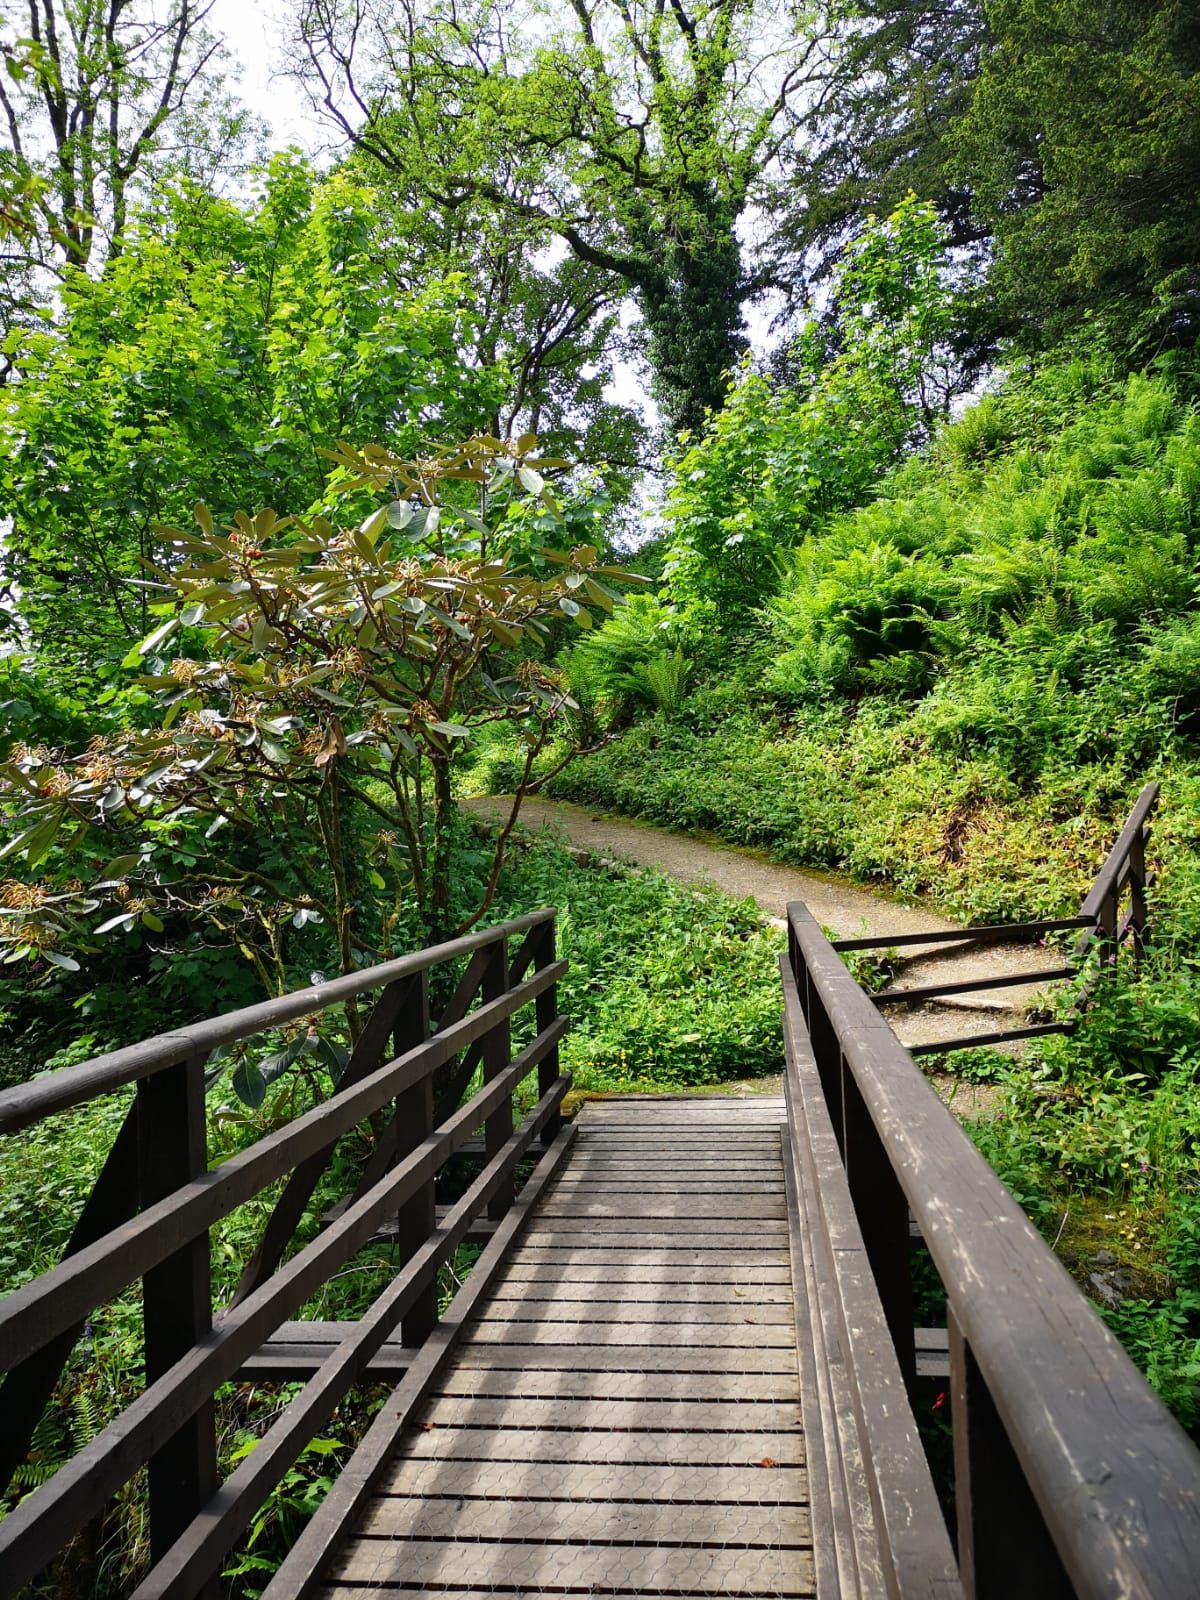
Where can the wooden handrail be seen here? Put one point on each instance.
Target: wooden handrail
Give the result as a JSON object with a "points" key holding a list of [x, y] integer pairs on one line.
{"points": [[30, 1535], [156, 1200], [57, 1299], [198, 1555], [71, 1086], [1112, 1479], [1107, 878]]}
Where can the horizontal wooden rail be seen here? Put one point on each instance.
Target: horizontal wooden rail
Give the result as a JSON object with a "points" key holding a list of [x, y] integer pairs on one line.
{"points": [[165, 1243], [28, 1103], [930, 991], [61, 1297], [979, 1041], [992, 932], [1117, 862], [1071, 1476]]}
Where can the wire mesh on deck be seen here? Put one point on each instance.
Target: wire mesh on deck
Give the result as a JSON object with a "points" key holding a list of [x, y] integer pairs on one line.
{"points": [[623, 1415]]}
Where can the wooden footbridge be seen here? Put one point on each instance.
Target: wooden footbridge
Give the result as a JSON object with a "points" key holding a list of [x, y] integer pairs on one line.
{"points": [[688, 1361]]}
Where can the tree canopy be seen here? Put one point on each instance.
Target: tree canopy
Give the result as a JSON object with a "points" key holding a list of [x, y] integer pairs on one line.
{"points": [[637, 136]]}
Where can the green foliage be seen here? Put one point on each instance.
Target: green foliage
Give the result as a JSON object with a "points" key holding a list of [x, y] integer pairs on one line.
{"points": [[213, 361], [628, 662], [1014, 576], [637, 140], [341, 673], [897, 77], [664, 678], [671, 985], [1081, 152], [780, 458]]}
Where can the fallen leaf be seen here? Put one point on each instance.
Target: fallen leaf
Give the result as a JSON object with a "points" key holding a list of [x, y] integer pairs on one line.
{"points": [[768, 1461]]}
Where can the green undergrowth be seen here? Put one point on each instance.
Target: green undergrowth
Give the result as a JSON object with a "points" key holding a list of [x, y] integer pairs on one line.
{"points": [[671, 985], [862, 793]]}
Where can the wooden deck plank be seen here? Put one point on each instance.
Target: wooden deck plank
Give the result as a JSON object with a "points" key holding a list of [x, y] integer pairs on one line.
{"points": [[720, 1182], [645, 1416], [595, 1568], [678, 1314], [569, 1384], [676, 1142], [710, 1137], [622, 1288], [354, 1591], [623, 1358], [553, 1253], [534, 1480], [588, 1274], [717, 1175], [640, 1206], [746, 1335], [615, 1447], [575, 1522], [671, 1234]]}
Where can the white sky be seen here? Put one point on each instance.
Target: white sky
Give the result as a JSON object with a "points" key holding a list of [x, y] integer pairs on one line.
{"points": [[254, 36]]}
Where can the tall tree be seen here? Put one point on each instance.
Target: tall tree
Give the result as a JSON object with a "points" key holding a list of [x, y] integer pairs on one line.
{"points": [[638, 135], [1060, 140], [899, 74], [551, 321], [97, 97], [1081, 147], [216, 357]]}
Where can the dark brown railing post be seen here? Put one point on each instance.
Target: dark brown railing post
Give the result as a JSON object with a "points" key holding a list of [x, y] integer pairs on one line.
{"points": [[27, 1390], [883, 1218], [545, 1011], [1137, 892], [413, 1123], [497, 1053], [1108, 922], [176, 1294], [1004, 1548], [827, 1053]]}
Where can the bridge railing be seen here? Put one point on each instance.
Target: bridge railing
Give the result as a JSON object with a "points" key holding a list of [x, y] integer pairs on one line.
{"points": [[156, 1199], [1070, 1476], [1112, 915]]}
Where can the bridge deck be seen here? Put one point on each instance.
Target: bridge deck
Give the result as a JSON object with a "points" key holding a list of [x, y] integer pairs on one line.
{"points": [[622, 1413]]}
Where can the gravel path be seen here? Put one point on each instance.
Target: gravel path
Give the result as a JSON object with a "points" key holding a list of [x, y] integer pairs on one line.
{"points": [[838, 904]]}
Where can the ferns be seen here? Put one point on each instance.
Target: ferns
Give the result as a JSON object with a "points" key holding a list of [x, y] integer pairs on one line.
{"points": [[987, 533], [663, 678], [629, 662]]}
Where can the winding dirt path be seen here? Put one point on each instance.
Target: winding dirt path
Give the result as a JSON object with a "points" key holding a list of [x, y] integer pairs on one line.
{"points": [[840, 905]]}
